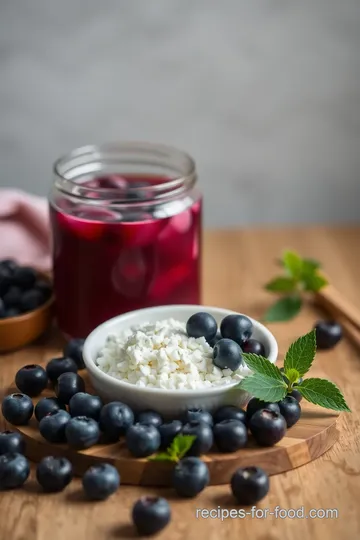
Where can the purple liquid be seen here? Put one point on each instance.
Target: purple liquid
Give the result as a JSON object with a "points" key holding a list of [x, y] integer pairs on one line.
{"points": [[106, 264]]}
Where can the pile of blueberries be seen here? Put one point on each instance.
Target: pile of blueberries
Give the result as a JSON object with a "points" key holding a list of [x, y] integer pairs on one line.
{"points": [[80, 419], [21, 290], [233, 338]]}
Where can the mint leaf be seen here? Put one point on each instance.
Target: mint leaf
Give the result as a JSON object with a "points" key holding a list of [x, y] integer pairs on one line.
{"points": [[281, 284], [309, 265], [260, 364], [180, 445], [301, 354], [284, 309], [293, 375], [264, 387], [162, 456], [293, 263], [324, 393], [314, 282]]}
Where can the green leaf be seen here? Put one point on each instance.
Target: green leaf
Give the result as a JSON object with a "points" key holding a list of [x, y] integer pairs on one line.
{"points": [[284, 309], [293, 263], [314, 282], [260, 364], [293, 375], [309, 265], [324, 393], [281, 284], [162, 456], [264, 387], [180, 445], [301, 354]]}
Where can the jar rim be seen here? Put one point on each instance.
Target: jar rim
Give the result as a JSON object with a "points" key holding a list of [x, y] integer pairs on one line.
{"points": [[92, 159]]}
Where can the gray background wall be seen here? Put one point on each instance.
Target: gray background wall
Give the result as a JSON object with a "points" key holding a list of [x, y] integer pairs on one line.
{"points": [[264, 94]]}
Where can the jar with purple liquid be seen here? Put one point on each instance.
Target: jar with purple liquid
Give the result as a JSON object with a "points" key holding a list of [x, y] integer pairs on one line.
{"points": [[126, 222]]}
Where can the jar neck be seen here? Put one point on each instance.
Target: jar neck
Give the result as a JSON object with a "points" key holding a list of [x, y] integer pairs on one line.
{"points": [[169, 173]]}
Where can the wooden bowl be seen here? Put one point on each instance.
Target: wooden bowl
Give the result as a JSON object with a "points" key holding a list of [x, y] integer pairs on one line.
{"points": [[16, 332]]}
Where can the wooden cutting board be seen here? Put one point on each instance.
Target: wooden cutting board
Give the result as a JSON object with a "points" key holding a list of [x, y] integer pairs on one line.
{"points": [[313, 435]]}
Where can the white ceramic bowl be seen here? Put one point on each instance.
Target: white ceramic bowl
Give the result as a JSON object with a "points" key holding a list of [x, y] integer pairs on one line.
{"points": [[170, 403]]}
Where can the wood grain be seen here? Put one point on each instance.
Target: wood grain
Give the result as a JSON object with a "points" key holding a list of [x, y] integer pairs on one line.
{"points": [[236, 265], [315, 433]]}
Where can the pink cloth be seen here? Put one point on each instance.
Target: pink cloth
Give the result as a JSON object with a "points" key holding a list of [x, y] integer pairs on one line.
{"points": [[25, 229]]}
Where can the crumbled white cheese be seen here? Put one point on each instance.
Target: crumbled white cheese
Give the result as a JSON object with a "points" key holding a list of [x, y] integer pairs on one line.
{"points": [[161, 355]]}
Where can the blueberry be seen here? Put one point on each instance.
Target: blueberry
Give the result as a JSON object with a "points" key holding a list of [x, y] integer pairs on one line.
{"points": [[204, 437], [100, 481], [11, 442], [168, 432], [230, 412], [58, 366], [253, 346], [74, 350], [268, 427], [150, 515], [82, 432], [31, 380], [9, 265], [31, 300], [249, 485], [17, 409], [150, 417], [52, 426], [115, 419], [24, 277], [190, 476], [12, 312], [14, 470], [201, 325], [212, 342], [236, 327], [256, 404], [328, 334], [296, 394], [5, 279], [44, 287], [54, 473], [230, 435], [227, 354], [142, 440], [197, 415], [83, 404], [13, 297], [290, 410], [47, 405], [3, 312], [67, 385]]}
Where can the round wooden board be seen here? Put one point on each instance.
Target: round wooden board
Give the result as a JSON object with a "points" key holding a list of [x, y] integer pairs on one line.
{"points": [[313, 435]]}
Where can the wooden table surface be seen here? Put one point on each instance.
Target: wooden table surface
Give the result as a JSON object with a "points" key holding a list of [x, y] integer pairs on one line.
{"points": [[236, 265]]}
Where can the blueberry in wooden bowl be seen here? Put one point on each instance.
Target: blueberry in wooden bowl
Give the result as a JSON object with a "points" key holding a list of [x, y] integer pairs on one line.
{"points": [[26, 302]]}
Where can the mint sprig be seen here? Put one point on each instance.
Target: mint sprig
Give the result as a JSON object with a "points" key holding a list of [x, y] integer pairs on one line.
{"points": [[300, 275], [179, 447], [268, 383]]}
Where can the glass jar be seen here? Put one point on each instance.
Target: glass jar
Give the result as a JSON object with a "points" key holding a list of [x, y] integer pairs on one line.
{"points": [[126, 222]]}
